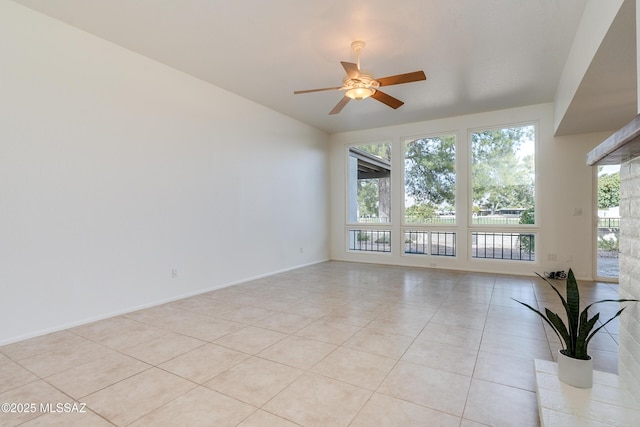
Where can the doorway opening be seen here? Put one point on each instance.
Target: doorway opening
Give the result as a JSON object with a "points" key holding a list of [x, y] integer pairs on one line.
{"points": [[608, 222]]}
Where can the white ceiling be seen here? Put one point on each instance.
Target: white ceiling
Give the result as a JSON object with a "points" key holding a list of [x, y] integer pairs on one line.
{"points": [[478, 55]]}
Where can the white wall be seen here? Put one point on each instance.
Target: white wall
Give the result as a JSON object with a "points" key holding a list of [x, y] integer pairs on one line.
{"points": [[115, 169], [565, 188]]}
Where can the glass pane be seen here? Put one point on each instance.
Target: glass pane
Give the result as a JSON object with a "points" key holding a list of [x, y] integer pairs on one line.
{"points": [[503, 176], [430, 180], [370, 184], [608, 221]]}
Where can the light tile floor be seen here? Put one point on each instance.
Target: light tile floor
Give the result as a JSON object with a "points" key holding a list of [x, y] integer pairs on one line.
{"points": [[334, 344]]}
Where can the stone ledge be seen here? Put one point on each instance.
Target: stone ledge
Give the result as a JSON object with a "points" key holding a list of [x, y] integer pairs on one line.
{"points": [[622, 146], [608, 403]]}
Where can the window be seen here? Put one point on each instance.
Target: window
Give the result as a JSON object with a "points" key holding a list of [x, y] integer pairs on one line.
{"points": [[497, 219], [429, 195], [369, 184], [503, 193], [430, 180], [503, 176]]}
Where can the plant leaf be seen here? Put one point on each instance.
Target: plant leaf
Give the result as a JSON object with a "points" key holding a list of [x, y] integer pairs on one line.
{"points": [[564, 302], [585, 327], [577, 335], [543, 318], [559, 326], [611, 300], [573, 310], [603, 325]]}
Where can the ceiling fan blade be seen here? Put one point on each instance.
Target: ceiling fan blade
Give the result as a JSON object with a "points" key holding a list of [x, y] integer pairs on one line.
{"points": [[387, 99], [402, 78], [352, 69], [340, 105], [297, 92]]}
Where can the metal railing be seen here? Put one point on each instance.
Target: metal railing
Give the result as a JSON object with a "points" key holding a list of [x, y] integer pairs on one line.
{"points": [[416, 242], [608, 222], [499, 220], [443, 243], [373, 220], [432, 220], [370, 240], [437, 243], [507, 246], [511, 246]]}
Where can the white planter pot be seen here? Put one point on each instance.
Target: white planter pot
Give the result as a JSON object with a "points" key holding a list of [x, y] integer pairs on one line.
{"points": [[575, 372]]}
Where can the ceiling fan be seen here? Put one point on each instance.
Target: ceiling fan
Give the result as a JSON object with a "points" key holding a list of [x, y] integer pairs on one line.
{"points": [[360, 84]]}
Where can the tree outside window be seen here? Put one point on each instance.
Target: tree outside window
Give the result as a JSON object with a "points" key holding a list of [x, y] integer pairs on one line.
{"points": [[503, 175], [430, 180]]}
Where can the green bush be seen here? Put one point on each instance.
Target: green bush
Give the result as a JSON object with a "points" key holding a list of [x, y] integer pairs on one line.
{"points": [[363, 236], [383, 239], [612, 245], [527, 241], [420, 213]]}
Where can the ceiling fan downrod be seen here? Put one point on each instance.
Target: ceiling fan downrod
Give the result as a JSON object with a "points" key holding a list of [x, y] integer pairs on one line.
{"points": [[358, 45]]}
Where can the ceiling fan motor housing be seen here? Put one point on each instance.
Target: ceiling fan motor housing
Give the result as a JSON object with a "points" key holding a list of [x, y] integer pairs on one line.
{"points": [[362, 87]]}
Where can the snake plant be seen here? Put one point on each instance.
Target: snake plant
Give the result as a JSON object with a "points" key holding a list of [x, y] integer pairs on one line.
{"points": [[576, 335]]}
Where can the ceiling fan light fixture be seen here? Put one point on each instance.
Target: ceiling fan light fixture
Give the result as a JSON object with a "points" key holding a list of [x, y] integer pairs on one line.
{"points": [[359, 93]]}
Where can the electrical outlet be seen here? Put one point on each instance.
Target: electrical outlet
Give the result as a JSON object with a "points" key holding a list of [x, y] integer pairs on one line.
{"points": [[552, 257], [174, 273], [301, 250]]}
